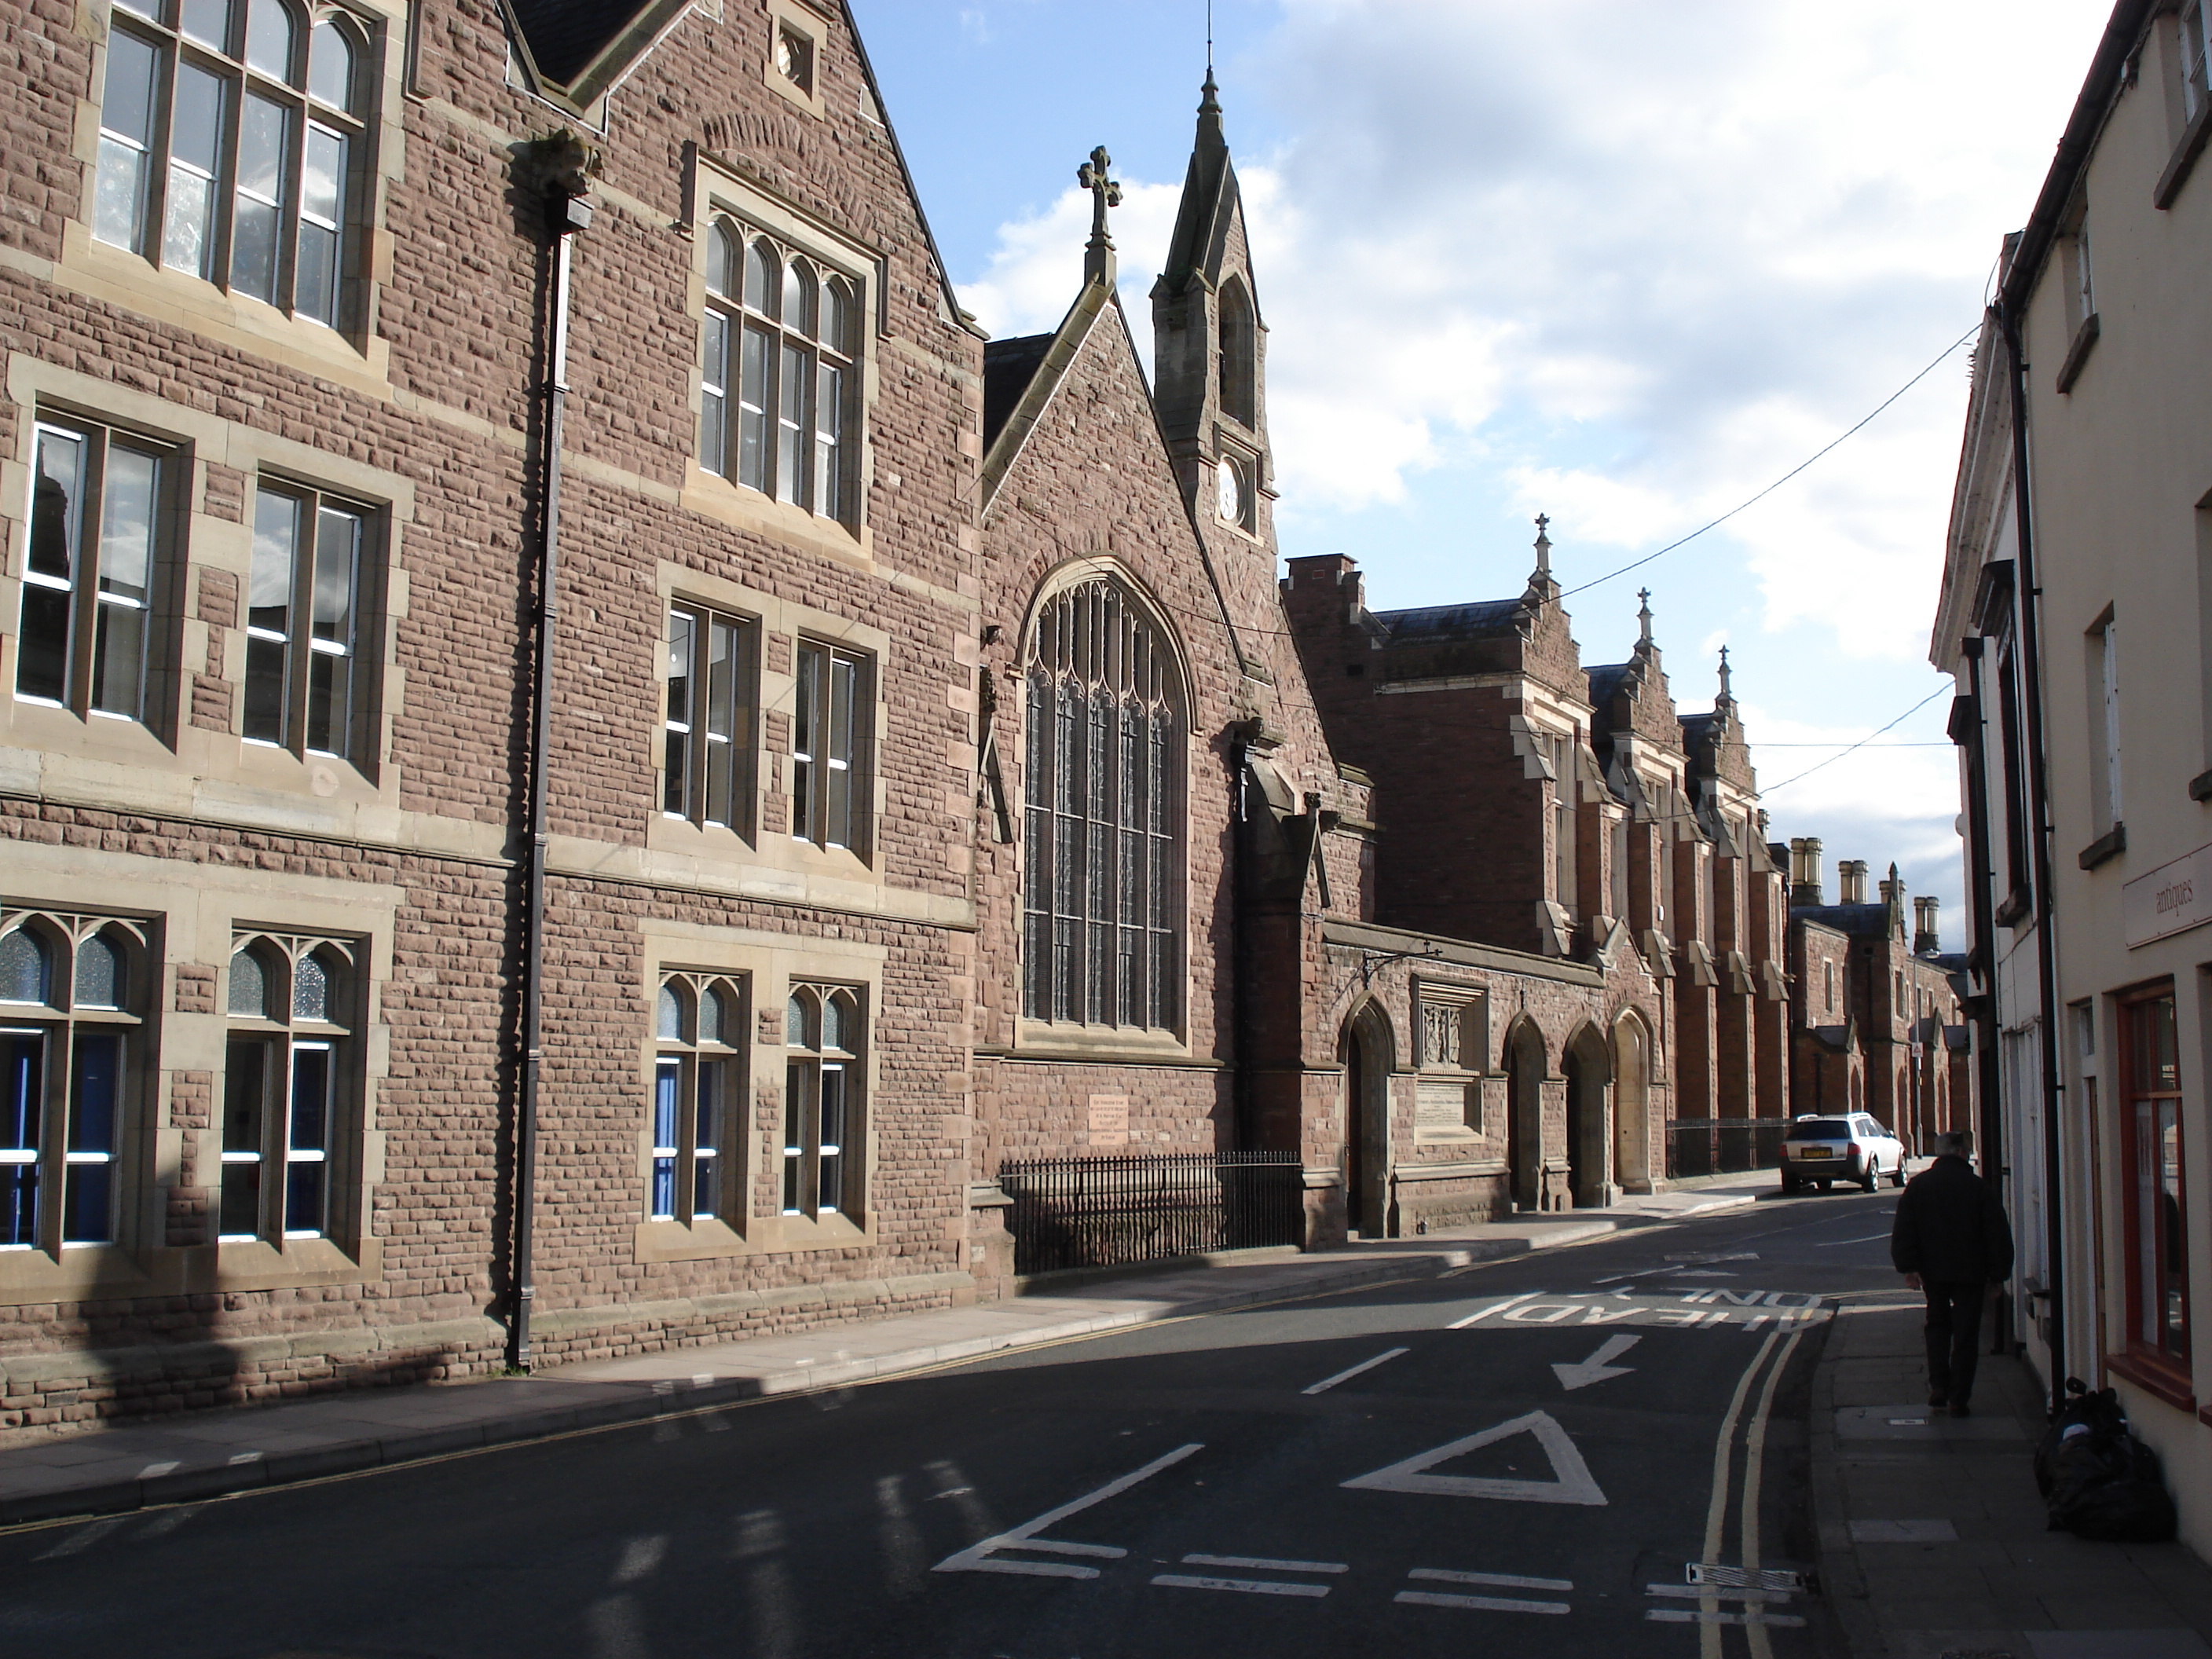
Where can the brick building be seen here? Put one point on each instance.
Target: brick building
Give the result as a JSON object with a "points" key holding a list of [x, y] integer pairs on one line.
{"points": [[584, 763], [1875, 1018]]}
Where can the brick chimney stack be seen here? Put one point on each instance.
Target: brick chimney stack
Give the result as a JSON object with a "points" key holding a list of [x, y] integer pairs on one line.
{"points": [[1851, 881], [1926, 908], [1804, 870]]}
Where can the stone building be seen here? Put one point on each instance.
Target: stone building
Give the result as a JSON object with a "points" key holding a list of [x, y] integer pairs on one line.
{"points": [[585, 764]]}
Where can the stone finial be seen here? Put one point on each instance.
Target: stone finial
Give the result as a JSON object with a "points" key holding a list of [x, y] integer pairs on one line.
{"points": [[1094, 175], [1726, 695], [1543, 546], [1643, 616]]}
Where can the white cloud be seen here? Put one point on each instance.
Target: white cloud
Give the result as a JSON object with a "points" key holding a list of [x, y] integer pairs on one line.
{"points": [[1629, 264]]}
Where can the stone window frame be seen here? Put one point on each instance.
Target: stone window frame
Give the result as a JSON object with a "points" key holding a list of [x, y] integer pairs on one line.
{"points": [[752, 1222], [696, 729], [794, 26], [355, 354], [132, 765], [682, 1057], [825, 1033], [161, 608], [189, 913], [1457, 1013], [283, 1037], [1047, 1034], [62, 1021], [779, 626], [716, 191], [301, 648]]}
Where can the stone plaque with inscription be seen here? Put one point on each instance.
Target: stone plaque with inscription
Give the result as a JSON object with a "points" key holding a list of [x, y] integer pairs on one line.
{"points": [[1110, 1120]]}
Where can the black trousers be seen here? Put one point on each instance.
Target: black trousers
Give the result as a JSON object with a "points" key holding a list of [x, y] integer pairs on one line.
{"points": [[1954, 1335]]}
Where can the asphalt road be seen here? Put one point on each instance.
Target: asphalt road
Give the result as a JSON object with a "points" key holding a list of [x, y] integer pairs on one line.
{"points": [[1524, 1458]]}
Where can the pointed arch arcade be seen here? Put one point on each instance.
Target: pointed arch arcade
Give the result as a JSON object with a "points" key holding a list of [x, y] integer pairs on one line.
{"points": [[1103, 870]]}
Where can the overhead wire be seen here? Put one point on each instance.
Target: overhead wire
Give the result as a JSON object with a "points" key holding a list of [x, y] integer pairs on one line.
{"points": [[1637, 564], [1769, 789]]}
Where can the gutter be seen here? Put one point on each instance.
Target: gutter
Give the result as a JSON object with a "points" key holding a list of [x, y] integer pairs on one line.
{"points": [[2123, 31], [566, 214], [1969, 731]]}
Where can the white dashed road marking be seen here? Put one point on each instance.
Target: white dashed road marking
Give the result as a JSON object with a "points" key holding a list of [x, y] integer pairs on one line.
{"points": [[1328, 1382]]}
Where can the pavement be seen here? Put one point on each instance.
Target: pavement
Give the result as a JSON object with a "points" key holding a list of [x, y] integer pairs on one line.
{"points": [[1931, 1531], [198, 1455]]}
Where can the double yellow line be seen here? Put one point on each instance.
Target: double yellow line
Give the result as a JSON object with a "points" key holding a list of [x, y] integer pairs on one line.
{"points": [[1754, 1462]]}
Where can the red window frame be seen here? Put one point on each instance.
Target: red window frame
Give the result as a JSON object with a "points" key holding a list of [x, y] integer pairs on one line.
{"points": [[2156, 1317]]}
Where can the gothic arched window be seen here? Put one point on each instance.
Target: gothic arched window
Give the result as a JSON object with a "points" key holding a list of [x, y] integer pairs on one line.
{"points": [[1240, 377], [1103, 897]]}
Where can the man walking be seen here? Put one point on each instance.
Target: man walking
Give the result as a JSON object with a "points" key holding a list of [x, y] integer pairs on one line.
{"points": [[1951, 1241]]}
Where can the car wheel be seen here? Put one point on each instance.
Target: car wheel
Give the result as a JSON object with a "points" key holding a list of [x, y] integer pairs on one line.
{"points": [[1790, 1183], [1872, 1176], [1897, 1176]]}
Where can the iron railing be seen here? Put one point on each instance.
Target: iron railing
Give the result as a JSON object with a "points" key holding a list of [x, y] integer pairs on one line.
{"points": [[1723, 1145], [1107, 1212]]}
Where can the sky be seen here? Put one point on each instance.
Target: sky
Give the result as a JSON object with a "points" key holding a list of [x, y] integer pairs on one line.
{"points": [[1622, 263]]}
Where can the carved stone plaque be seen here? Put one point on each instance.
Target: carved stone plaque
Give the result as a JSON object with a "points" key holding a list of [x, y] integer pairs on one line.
{"points": [[1110, 1120]]}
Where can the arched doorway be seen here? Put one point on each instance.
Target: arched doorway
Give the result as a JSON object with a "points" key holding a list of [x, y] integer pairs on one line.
{"points": [[1632, 1105], [1367, 1062], [1589, 1071], [1524, 1115]]}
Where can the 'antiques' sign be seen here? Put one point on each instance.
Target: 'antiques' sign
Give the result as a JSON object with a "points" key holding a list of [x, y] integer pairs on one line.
{"points": [[2171, 899]]}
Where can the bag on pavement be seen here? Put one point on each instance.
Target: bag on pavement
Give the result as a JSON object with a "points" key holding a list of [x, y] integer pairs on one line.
{"points": [[2100, 1481]]}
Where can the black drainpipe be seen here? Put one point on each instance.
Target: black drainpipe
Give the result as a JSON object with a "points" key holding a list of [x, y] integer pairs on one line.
{"points": [[566, 213], [1988, 1084], [2046, 947], [1240, 994]]}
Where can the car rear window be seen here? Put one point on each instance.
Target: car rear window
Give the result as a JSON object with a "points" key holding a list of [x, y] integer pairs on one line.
{"points": [[1820, 1128]]}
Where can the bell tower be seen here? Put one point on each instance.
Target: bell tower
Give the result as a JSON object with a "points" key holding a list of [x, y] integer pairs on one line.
{"points": [[1209, 348]]}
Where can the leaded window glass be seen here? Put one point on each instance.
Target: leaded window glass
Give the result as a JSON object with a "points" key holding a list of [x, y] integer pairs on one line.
{"points": [[286, 1073], [1102, 880], [698, 1022], [777, 375]]}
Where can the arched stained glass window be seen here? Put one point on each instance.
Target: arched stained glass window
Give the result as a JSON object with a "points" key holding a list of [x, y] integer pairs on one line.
{"points": [[1102, 901]]}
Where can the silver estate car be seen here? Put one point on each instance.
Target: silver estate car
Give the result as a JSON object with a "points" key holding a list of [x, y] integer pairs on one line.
{"points": [[1849, 1146]]}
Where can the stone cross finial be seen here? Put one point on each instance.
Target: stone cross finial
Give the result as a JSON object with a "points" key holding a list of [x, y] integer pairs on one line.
{"points": [[1643, 614], [1543, 544], [1099, 263], [1726, 694]]}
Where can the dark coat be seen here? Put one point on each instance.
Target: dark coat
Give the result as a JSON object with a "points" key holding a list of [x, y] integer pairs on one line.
{"points": [[1951, 1226]]}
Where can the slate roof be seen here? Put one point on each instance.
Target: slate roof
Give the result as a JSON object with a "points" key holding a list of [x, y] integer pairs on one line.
{"points": [[1438, 622], [1863, 921], [1605, 679], [1009, 365]]}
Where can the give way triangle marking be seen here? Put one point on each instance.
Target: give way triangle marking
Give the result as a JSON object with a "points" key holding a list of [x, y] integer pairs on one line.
{"points": [[1571, 1481]]}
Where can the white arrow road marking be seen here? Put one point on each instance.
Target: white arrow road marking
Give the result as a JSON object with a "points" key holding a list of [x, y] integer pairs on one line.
{"points": [[1598, 1366], [977, 1557], [1572, 1482], [1328, 1382]]}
